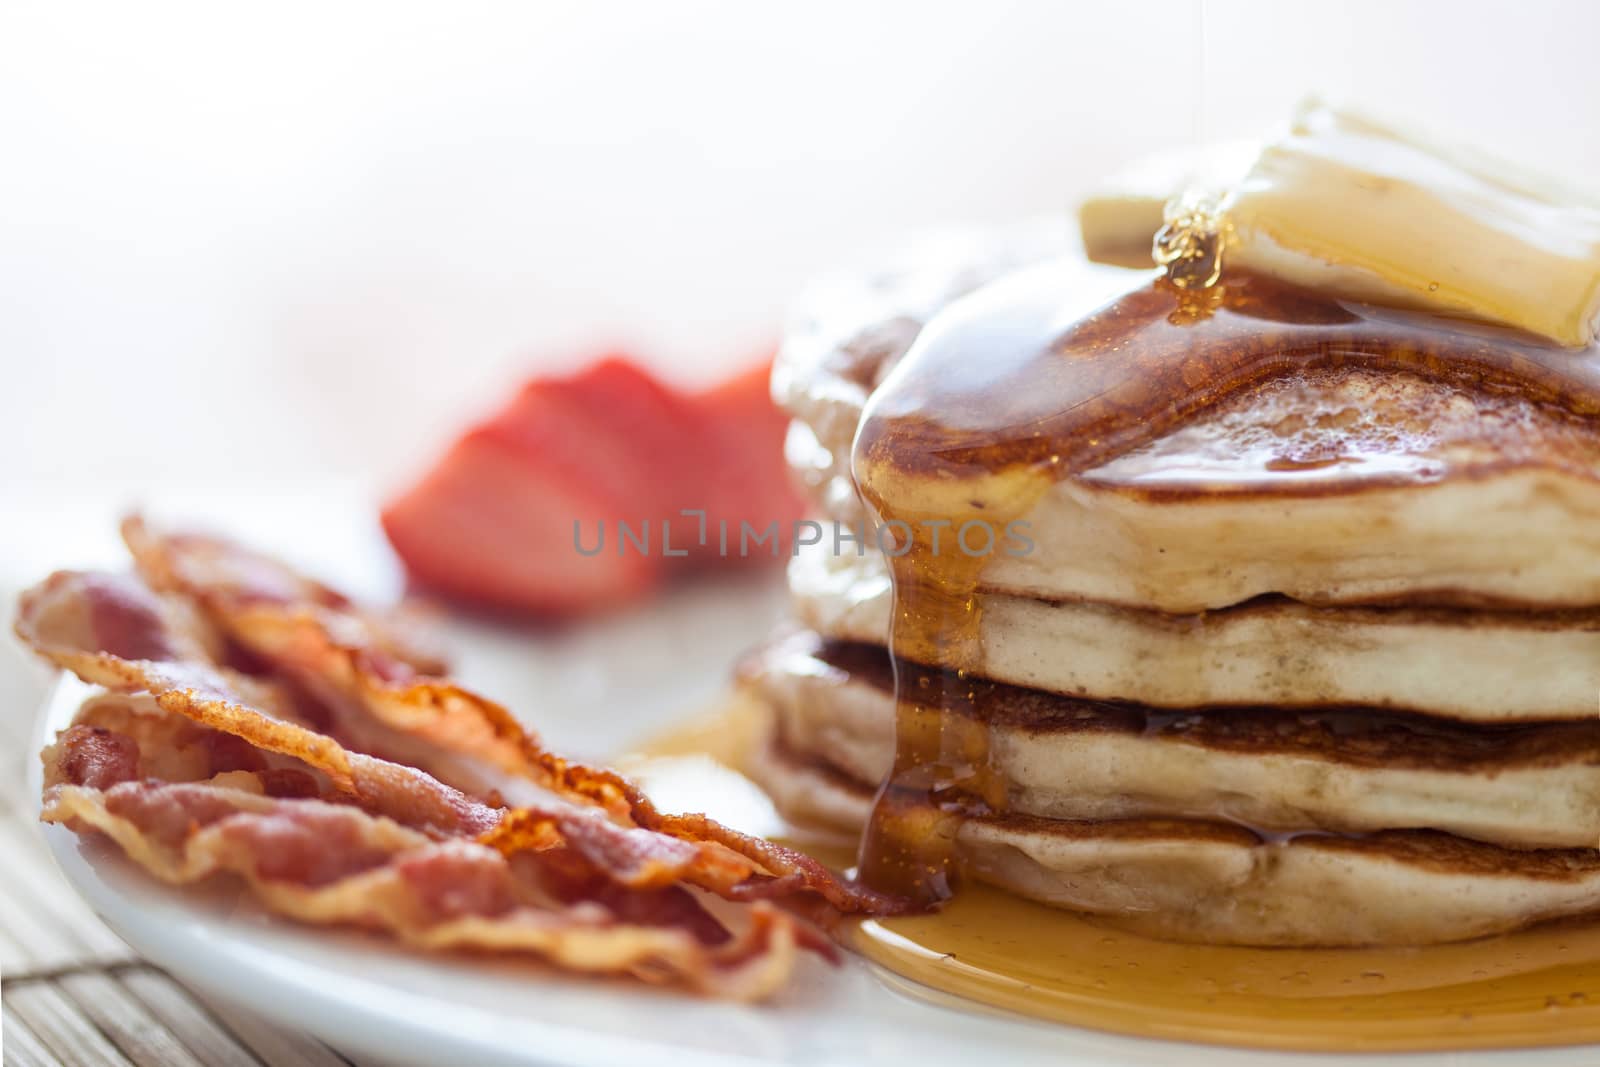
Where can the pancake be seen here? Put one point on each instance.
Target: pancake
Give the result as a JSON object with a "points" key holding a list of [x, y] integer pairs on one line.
{"points": [[1340, 485], [1204, 882], [1219, 884], [847, 331], [1349, 770], [1283, 626], [1469, 665]]}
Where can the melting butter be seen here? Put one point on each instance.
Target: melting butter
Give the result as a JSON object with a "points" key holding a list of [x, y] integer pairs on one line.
{"points": [[1351, 207]]}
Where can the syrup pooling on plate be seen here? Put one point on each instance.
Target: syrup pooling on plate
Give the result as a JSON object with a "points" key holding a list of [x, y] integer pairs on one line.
{"points": [[1534, 987], [1046, 375]]}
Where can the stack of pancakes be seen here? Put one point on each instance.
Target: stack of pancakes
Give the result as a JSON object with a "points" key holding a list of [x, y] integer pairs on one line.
{"points": [[1319, 666]]}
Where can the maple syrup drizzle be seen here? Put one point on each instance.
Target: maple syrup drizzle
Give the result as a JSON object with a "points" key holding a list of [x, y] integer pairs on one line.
{"points": [[1045, 375], [1539, 986]]}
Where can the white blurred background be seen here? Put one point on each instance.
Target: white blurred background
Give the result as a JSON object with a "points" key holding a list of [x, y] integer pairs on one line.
{"points": [[262, 245], [257, 262]]}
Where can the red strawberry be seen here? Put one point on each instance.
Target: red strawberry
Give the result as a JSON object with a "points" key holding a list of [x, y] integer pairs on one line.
{"points": [[490, 527], [745, 480], [493, 522]]}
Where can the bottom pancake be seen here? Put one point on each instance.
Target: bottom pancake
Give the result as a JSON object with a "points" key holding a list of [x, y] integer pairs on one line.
{"points": [[1219, 884]]}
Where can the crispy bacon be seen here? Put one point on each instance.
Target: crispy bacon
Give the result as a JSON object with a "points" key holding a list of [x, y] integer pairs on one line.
{"points": [[222, 573], [330, 648], [252, 709], [472, 835], [96, 757], [327, 863]]}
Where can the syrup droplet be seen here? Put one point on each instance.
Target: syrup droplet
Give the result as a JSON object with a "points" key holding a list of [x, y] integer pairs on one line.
{"points": [[1191, 243]]}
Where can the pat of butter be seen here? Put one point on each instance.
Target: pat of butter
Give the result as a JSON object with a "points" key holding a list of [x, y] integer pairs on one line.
{"points": [[1119, 219], [1347, 205]]}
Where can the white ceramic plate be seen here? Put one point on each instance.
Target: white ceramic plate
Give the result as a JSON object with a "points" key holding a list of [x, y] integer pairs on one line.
{"points": [[592, 690]]}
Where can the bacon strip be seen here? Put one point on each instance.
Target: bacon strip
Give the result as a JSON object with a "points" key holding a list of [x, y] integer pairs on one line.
{"points": [[251, 738], [51, 619], [326, 863], [223, 700], [215, 570], [337, 653]]}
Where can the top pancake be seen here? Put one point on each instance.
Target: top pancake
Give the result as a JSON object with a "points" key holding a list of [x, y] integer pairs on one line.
{"points": [[1329, 483]]}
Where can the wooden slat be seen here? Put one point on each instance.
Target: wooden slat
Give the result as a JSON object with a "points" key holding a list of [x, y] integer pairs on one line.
{"points": [[15, 802], [26, 682], [196, 1027], [47, 945], [125, 1021], [14, 959], [22, 1048], [40, 888], [22, 685], [61, 1027], [273, 1046]]}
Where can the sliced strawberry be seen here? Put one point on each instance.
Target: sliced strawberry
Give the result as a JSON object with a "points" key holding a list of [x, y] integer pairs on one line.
{"points": [[543, 425], [493, 522], [645, 432], [745, 476], [489, 526]]}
